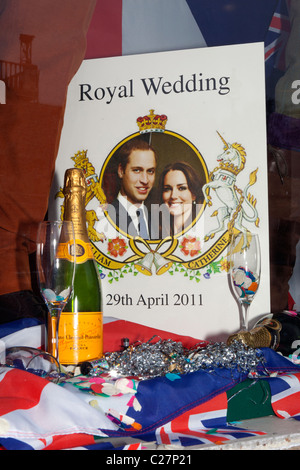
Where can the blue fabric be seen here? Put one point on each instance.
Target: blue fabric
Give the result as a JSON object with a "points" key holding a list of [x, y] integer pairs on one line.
{"points": [[235, 22], [163, 400], [17, 325]]}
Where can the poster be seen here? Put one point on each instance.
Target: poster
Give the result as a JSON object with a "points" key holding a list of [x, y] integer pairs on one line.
{"points": [[203, 110]]}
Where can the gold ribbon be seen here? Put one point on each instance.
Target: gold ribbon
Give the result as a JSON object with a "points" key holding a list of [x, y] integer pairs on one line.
{"points": [[140, 254], [198, 263], [145, 261], [210, 255]]}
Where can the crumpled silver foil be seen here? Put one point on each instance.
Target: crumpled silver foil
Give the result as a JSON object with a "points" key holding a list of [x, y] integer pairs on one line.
{"points": [[158, 358]]}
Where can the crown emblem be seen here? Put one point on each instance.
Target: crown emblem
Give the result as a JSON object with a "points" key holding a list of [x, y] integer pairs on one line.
{"points": [[227, 166], [152, 122]]}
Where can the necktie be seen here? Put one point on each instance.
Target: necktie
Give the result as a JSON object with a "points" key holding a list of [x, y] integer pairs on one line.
{"points": [[143, 232]]}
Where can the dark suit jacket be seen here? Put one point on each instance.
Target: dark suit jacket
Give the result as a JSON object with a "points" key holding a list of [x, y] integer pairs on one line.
{"points": [[120, 217]]}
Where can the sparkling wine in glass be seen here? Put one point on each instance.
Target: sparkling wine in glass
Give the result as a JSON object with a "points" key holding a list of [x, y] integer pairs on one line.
{"points": [[56, 258], [245, 266]]}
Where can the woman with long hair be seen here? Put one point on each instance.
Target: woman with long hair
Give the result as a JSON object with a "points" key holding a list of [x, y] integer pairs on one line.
{"points": [[181, 194]]}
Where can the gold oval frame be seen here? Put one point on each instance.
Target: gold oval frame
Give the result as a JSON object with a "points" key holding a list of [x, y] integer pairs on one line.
{"points": [[165, 132]]}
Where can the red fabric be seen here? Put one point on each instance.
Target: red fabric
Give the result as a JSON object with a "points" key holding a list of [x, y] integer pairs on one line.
{"points": [[286, 395], [181, 424], [22, 393], [69, 441], [291, 302], [104, 38], [114, 332]]}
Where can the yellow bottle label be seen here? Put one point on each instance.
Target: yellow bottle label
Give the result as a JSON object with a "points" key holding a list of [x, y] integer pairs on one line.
{"points": [[83, 251], [80, 337]]}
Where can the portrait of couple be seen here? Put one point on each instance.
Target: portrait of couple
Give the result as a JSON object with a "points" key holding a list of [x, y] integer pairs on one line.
{"points": [[152, 199]]}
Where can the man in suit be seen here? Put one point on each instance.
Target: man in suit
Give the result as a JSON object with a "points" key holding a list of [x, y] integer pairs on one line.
{"points": [[136, 172]]}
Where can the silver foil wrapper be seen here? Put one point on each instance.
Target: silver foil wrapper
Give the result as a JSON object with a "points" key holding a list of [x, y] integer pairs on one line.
{"points": [[156, 358]]}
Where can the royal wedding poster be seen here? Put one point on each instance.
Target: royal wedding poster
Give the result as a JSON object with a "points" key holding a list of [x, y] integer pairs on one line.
{"points": [[204, 108]]}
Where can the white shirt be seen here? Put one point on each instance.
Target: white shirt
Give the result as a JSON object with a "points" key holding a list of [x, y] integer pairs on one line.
{"points": [[132, 211]]}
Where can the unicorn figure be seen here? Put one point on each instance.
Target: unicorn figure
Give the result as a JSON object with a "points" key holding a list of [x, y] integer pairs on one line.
{"points": [[222, 180]]}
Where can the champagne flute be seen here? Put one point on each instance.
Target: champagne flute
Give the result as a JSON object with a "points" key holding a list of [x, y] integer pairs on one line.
{"points": [[245, 265], [55, 268]]}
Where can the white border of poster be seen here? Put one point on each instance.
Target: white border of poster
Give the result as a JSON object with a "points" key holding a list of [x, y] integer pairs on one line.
{"points": [[194, 106]]}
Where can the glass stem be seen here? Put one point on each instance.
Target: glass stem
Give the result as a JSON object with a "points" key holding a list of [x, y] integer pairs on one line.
{"points": [[52, 334], [244, 322]]}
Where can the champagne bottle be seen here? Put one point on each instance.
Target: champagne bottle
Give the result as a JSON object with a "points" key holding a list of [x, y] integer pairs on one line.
{"points": [[80, 334]]}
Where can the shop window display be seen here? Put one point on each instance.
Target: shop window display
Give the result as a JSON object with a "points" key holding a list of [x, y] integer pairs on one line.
{"points": [[41, 48]]}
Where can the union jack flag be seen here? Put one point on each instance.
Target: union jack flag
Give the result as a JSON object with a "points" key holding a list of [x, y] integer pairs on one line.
{"points": [[285, 391], [277, 37], [205, 424], [184, 411]]}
